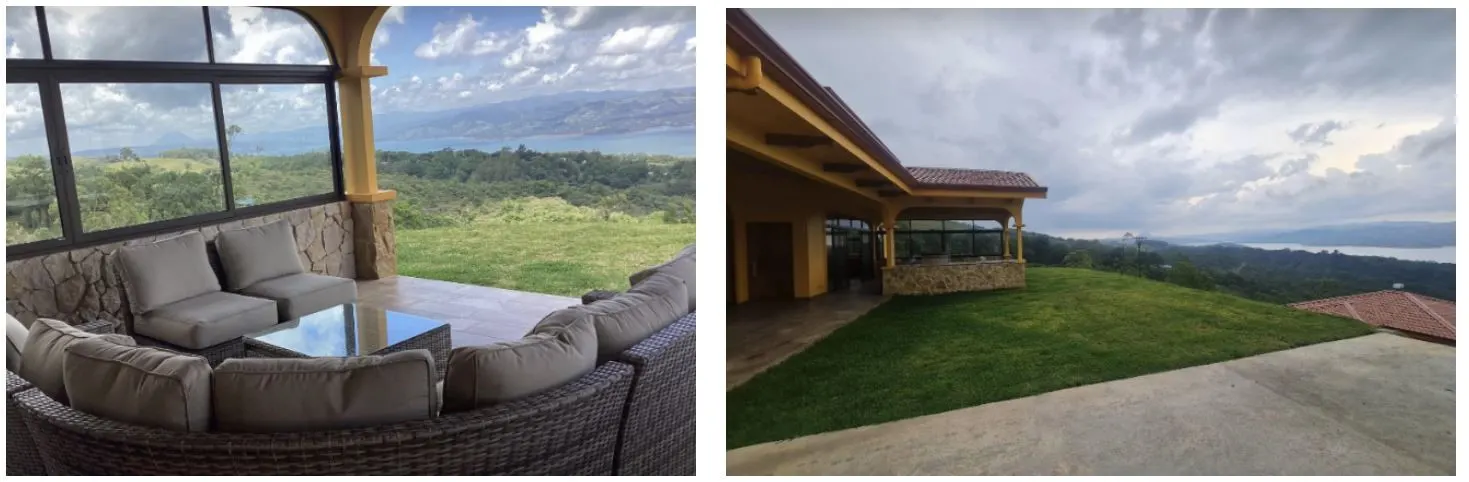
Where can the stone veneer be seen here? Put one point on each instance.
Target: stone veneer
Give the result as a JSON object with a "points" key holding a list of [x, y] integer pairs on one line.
{"points": [[79, 285], [375, 244], [932, 279]]}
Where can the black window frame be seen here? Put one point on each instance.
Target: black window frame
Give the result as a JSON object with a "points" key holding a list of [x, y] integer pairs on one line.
{"points": [[49, 73], [905, 231]]}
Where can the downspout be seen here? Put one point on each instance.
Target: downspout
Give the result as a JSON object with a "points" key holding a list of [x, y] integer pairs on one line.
{"points": [[748, 82]]}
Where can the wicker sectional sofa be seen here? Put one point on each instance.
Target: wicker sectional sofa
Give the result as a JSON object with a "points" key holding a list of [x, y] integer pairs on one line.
{"points": [[631, 414]]}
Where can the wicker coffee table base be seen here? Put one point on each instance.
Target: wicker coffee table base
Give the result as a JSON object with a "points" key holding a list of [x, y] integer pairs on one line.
{"points": [[436, 341]]}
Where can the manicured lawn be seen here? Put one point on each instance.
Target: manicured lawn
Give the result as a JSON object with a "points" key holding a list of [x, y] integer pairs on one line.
{"points": [[927, 354], [566, 259]]}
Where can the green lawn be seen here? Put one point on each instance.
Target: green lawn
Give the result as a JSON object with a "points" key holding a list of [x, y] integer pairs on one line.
{"points": [[558, 258], [920, 355]]}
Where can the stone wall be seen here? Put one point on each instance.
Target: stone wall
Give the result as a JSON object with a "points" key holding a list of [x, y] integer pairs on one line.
{"points": [[932, 279], [78, 285]]}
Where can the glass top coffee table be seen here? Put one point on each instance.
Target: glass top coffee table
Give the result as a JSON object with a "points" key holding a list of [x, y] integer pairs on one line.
{"points": [[352, 330]]}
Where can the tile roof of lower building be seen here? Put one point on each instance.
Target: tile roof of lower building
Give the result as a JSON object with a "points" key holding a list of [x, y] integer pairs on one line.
{"points": [[954, 177], [1399, 310]]}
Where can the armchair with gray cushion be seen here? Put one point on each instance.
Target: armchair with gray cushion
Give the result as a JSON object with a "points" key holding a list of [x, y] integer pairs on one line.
{"points": [[262, 262], [681, 266], [21, 455], [177, 302]]}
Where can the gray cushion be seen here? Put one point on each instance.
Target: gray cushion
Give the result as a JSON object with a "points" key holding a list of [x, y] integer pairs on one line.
{"points": [[15, 338], [547, 358], [138, 384], [207, 320], [302, 294], [42, 355], [252, 255], [265, 395], [681, 266], [628, 318], [166, 271]]}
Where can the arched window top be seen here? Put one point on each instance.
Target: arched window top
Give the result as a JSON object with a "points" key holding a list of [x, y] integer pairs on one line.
{"points": [[254, 35], [236, 35]]}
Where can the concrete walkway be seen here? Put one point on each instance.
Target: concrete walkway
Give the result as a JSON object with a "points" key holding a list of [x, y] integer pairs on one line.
{"points": [[761, 334], [1380, 404]]}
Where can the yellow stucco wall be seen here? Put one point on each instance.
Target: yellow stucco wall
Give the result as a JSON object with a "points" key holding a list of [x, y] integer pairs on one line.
{"points": [[761, 192]]}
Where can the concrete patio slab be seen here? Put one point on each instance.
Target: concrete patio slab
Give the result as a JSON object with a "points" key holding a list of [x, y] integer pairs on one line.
{"points": [[761, 334], [1379, 404]]}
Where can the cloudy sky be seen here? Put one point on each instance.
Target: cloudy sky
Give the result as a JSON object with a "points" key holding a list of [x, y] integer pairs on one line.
{"points": [[1163, 122], [437, 57]]}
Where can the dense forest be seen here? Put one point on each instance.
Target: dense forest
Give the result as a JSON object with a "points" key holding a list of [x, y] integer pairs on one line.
{"points": [[1275, 276], [435, 189]]}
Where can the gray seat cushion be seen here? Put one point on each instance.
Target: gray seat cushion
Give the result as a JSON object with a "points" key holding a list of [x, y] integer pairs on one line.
{"points": [[207, 320], [302, 294], [628, 318], [549, 357], [42, 355], [166, 271], [252, 255], [138, 384], [265, 395], [681, 266]]}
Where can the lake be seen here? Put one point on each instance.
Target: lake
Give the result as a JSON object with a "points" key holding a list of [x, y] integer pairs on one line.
{"points": [[672, 142], [1440, 255]]}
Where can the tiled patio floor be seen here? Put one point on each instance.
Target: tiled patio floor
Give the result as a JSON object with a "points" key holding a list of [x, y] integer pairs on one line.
{"points": [[478, 315], [761, 334]]}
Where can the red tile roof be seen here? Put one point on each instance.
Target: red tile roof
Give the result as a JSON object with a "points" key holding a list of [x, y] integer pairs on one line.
{"points": [[1399, 310], [952, 177]]}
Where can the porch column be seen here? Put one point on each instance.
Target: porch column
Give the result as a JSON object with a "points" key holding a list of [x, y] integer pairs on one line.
{"points": [[889, 240], [349, 33], [1019, 241], [1005, 238]]}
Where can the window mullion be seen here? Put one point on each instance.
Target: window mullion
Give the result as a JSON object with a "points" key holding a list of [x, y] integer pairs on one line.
{"points": [[208, 35], [62, 173], [224, 150], [45, 33]]}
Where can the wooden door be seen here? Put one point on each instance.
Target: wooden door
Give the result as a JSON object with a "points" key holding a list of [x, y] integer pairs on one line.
{"points": [[772, 262]]}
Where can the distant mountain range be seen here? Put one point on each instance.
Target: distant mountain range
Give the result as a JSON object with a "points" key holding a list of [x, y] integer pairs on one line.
{"points": [[566, 114], [1401, 234]]}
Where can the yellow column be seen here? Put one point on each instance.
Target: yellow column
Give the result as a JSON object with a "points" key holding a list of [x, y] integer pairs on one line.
{"points": [[1019, 241], [359, 151], [1005, 238], [889, 240]]}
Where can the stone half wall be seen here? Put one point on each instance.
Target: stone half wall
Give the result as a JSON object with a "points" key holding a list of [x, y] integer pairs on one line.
{"points": [[78, 286], [932, 279]]}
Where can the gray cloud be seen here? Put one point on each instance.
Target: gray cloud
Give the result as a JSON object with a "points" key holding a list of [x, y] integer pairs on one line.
{"points": [[1166, 121], [1308, 134]]}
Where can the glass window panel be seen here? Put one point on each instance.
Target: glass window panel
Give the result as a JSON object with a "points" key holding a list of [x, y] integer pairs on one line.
{"points": [[920, 224], [988, 244], [278, 141], [31, 211], [167, 34], [958, 225], [255, 35], [22, 34], [142, 152], [928, 243], [961, 244]]}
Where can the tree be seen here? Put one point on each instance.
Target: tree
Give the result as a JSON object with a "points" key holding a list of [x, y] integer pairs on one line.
{"points": [[230, 133], [1185, 274], [1078, 259], [1137, 256], [127, 154]]}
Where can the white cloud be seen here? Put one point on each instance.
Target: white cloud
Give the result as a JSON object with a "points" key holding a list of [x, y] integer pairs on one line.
{"points": [[638, 39], [461, 39]]}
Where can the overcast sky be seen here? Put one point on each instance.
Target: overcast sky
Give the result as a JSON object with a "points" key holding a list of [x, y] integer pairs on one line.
{"points": [[437, 57], [1163, 122]]}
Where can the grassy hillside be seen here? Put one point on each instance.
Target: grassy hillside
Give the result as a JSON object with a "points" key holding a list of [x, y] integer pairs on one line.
{"points": [[919, 355], [559, 258]]}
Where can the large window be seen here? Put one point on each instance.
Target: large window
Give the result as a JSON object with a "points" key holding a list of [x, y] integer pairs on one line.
{"points": [[916, 239], [127, 121]]}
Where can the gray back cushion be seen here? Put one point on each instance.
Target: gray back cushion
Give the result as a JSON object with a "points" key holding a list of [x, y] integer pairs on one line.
{"points": [[252, 255], [549, 357], [628, 318], [681, 266], [44, 352], [264, 395], [138, 384], [166, 271]]}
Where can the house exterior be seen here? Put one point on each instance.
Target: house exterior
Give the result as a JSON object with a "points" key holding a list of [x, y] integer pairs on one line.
{"points": [[815, 200]]}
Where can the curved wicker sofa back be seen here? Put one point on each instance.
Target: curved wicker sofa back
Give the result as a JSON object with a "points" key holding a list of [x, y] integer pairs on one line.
{"points": [[658, 429], [569, 430]]}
